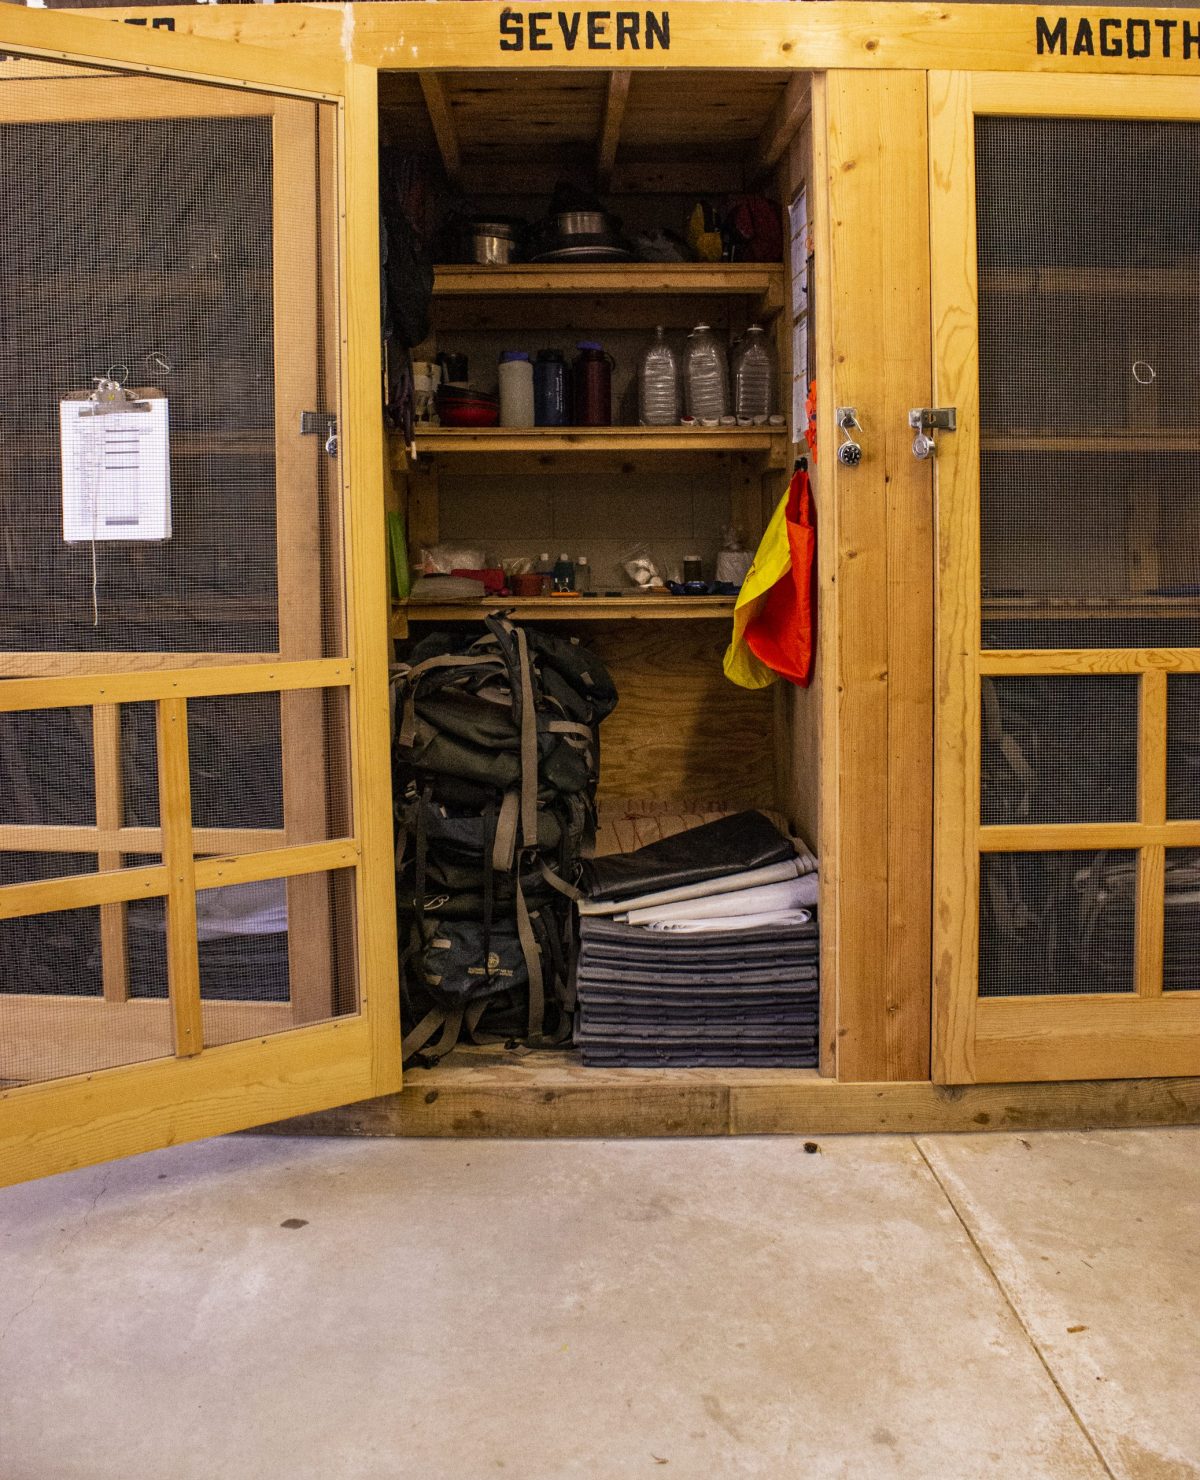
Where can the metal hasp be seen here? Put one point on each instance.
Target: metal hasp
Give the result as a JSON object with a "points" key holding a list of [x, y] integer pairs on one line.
{"points": [[321, 424], [849, 454], [925, 420]]}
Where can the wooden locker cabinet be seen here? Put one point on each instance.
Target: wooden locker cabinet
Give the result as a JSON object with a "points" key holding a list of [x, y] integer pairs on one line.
{"points": [[878, 761]]}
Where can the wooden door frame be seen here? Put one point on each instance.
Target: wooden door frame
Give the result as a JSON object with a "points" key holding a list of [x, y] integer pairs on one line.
{"points": [[59, 1124], [1029, 1038]]}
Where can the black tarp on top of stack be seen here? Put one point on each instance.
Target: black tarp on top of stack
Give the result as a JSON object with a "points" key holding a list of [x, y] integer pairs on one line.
{"points": [[700, 951]]}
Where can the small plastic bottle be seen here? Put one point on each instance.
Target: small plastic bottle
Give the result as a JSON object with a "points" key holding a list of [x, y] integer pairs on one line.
{"points": [[583, 575], [545, 569], [564, 574]]}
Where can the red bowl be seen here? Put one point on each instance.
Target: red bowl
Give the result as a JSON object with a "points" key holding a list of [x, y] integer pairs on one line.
{"points": [[469, 414]]}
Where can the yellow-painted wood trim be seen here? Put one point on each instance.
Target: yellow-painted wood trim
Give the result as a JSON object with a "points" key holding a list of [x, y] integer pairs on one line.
{"points": [[61, 36], [110, 809], [276, 863], [1091, 660], [51, 665], [68, 1123], [138, 98], [82, 891], [181, 683], [179, 864], [705, 34], [363, 466], [1093, 97], [33, 837], [1049, 837], [956, 724], [1088, 1037]]}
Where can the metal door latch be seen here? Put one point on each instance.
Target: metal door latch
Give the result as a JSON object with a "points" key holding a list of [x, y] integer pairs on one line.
{"points": [[925, 420], [849, 454], [321, 424]]}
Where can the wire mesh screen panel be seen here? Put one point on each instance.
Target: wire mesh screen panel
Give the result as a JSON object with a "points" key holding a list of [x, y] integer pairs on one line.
{"points": [[47, 793], [55, 1016], [1183, 747], [276, 954], [153, 232], [269, 770], [1055, 923], [1058, 750], [1181, 921], [1089, 242]]}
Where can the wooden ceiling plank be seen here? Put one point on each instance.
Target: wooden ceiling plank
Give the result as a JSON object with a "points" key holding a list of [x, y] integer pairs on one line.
{"points": [[442, 119], [610, 130], [788, 114]]}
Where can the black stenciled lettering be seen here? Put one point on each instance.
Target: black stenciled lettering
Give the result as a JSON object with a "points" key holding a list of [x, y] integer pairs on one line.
{"points": [[512, 30], [569, 26], [627, 29], [163, 23], [537, 30], [1191, 39], [658, 27], [597, 21], [1084, 41], [1166, 27], [136, 20], [1133, 46], [1052, 41], [1110, 45]]}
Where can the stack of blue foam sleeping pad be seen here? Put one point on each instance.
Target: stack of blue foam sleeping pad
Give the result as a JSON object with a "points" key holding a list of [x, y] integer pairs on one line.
{"points": [[701, 951]]}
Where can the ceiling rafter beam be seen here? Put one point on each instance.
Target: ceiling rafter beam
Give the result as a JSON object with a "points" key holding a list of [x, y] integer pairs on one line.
{"points": [[793, 107], [441, 116], [615, 100]]}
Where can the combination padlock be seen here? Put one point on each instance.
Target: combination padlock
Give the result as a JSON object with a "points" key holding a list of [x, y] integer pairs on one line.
{"points": [[849, 454]]}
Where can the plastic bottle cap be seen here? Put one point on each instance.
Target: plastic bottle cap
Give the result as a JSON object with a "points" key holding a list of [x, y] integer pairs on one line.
{"points": [[513, 354], [583, 560], [588, 344], [565, 556], [545, 555], [700, 329]]}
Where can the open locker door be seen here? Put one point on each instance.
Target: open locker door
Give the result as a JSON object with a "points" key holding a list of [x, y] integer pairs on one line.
{"points": [[1067, 829], [197, 923]]}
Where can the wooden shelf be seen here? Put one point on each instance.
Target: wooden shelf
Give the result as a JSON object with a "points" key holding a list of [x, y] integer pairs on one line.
{"points": [[571, 609], [762, 283], [1165, 439], [771, 442]]}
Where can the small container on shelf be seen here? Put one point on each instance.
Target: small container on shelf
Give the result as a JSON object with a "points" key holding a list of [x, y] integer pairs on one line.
{"points": [[583, 576], [516, 389], [551, 389], [564, 576]]}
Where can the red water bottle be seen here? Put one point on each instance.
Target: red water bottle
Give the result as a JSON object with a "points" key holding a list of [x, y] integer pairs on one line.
{"points": [[591, 386]]}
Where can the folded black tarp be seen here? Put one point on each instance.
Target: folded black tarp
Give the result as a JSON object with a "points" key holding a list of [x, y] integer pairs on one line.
{"points": [[731, 845]]}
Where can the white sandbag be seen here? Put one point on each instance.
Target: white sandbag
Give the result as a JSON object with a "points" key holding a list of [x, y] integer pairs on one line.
{"points": [[771, 873], [796, 893]]}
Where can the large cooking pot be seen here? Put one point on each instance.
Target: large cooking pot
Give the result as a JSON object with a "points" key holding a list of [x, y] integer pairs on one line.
{"points": [[584, 223]]}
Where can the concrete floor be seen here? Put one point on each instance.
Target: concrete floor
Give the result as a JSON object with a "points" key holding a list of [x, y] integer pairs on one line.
{"points": [[1001, 1305]]}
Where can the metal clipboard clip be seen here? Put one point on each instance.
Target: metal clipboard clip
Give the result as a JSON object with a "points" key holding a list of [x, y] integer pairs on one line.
{"points": [[111, 396]]}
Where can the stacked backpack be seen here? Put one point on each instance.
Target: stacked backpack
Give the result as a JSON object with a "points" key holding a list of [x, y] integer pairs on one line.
{"points": [[495, 763]]}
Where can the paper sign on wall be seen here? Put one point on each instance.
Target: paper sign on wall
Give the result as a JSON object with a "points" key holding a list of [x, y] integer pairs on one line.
{"points": [[116, 468]]}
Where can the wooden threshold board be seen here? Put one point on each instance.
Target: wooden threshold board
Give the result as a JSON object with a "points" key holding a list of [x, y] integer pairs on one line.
{"points": [[625, 439], [489, 1092], [574, 608]]}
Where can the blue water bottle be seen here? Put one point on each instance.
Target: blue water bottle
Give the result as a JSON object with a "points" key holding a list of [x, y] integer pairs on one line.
{"points": [[550, 389]]}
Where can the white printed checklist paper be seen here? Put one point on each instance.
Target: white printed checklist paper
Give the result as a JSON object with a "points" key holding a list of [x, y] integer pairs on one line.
{"points": [[116, 468]]}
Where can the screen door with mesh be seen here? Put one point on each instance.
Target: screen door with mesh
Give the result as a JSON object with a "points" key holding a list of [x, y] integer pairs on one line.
{"points": [[1066, 277], [186, 705]]}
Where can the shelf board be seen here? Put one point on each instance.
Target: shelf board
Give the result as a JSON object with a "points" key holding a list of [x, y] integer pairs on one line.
{"points": [[761, 282], [770, 441], [571, 608], [1164, 439]]}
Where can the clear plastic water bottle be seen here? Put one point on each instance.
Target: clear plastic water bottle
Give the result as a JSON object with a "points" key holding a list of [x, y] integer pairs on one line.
{"points": [[658, 383], [706, 375], [753, 376]]}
